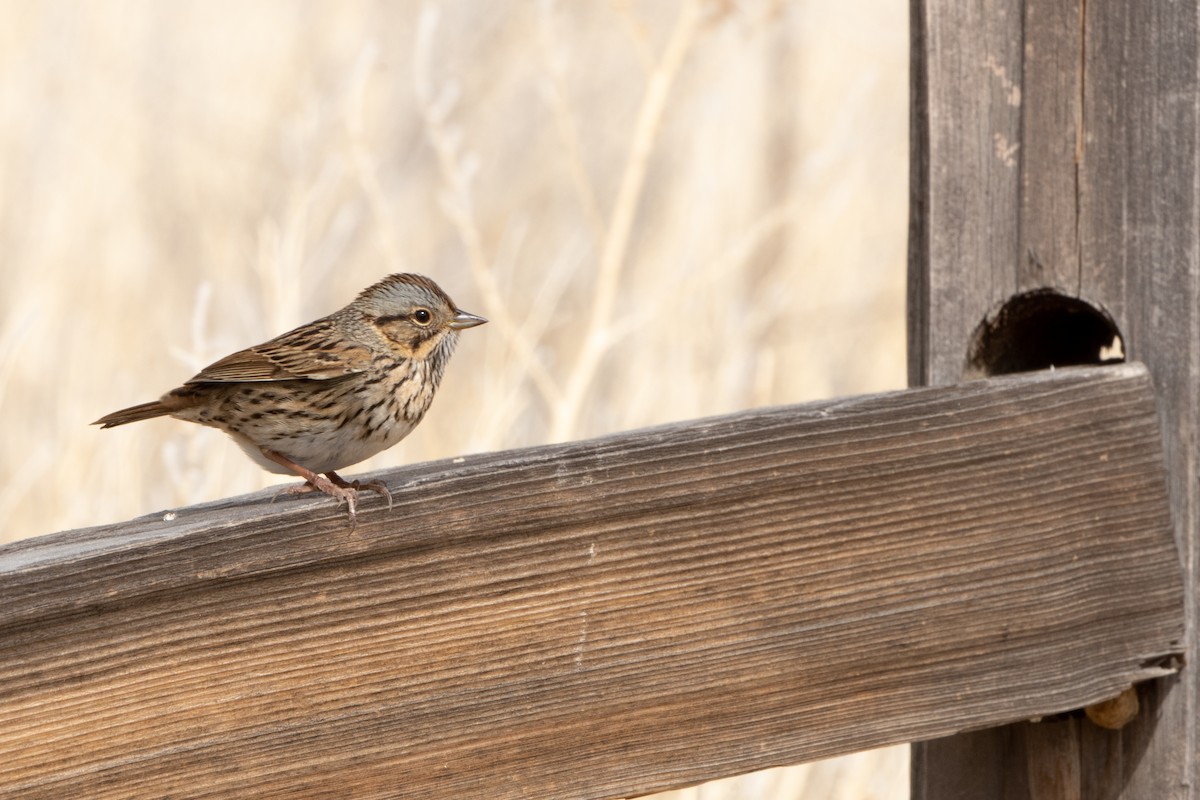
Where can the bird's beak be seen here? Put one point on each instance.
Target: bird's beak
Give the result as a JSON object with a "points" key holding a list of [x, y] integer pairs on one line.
{"points": [[464, 320]]}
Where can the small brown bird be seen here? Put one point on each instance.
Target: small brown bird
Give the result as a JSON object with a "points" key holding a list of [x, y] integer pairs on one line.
{"points": [[330, 393]]}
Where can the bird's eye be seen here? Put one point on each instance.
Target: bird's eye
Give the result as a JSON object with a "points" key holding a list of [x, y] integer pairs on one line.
{"points": [[422, 316]]}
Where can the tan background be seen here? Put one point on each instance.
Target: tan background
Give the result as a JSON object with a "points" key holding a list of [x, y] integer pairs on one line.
{"points": [[667, 210]]}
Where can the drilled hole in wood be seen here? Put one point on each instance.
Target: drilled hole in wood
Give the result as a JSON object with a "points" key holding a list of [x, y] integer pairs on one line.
{"points": [[1042, 329]]}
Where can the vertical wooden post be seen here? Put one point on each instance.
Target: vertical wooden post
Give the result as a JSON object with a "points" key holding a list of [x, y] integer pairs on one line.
{"points": [[1055, 144]]}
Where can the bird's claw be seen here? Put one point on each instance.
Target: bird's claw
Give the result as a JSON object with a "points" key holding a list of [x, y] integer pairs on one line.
{"points": [[378, 487], [341, 490]]}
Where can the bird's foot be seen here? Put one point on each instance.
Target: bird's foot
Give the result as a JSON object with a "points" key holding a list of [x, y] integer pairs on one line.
{"points": [[331, 484], [378, 487], [303, 488], [346, 493]]}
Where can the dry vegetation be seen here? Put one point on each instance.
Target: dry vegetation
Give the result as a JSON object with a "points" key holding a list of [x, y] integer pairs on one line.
{"points": [[668, 209]]}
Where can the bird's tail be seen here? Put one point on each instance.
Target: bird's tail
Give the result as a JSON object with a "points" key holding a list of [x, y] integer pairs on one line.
{"points": [[133, 414]]}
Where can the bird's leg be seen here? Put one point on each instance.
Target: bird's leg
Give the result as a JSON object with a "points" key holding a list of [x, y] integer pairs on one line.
{"points": [[340, 490], [378, 487]]}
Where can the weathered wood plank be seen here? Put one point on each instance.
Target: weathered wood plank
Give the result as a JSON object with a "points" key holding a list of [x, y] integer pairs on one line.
{"points": [[1105, 146], [609, 617]]}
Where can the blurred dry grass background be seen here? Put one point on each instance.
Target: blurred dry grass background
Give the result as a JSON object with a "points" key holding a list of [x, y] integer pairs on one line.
{"points": [[667, 208]]}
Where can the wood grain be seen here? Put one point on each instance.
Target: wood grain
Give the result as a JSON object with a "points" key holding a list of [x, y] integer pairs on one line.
{"points": [[609, 617], [1098, 199]]}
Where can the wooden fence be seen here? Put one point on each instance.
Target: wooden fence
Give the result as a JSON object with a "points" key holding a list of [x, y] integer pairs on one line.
{"points": [[610, 617], [607, 618], [1055, 145]]}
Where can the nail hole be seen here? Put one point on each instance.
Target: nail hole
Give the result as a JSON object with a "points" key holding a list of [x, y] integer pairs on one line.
{"points": [[1043, 329]]}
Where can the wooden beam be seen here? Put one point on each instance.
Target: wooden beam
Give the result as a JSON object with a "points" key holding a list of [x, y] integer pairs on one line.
{"points": [[1055, 145], [609, 617]]}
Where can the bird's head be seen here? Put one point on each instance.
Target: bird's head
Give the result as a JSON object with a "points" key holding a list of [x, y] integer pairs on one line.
{"points": [[414, 315]]}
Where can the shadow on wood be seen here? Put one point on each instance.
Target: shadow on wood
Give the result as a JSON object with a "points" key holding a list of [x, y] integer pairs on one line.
{"points": [[609, 617]]}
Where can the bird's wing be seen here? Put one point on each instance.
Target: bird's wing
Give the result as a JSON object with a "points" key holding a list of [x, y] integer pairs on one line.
{"points": [[317, 351]]}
